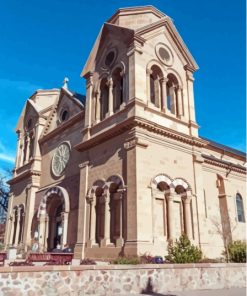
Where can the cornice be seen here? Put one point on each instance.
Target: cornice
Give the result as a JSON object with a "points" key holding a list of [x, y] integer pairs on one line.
{"points": [[24, 175], [136, 121], [134, 10], [223, 164], [62, 127], [167, 132]]}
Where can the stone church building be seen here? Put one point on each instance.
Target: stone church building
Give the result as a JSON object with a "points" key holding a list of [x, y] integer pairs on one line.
{"points": [[123, 169]]}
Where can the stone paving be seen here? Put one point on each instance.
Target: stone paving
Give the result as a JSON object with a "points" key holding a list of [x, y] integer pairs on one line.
{"points": [[221, 292]]}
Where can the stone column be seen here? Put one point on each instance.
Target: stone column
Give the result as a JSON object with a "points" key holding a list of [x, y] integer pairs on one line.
{"points": [[18, 150], [180, 102], [106, 240], [169, 199], [42, 232], [125, 89], [148, 73], [110, 98], [65, 220], [9, 219], [79, 252], [187, 217], [17, 233], [46, 234], [27, 149], [88, 108], [97, 99], [120, 240], [163, 94], [173, 99], [21, 154], [29, 210], [12, 229], [92, 221]]}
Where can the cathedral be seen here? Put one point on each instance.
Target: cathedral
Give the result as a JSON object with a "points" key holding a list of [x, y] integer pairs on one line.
{"points": [[123, 170]]}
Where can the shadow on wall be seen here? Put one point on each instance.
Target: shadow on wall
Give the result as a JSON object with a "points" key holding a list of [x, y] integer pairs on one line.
{"points": [[149, 290]]}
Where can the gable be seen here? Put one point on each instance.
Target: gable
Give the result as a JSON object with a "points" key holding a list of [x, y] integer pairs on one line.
{"points": [[109, 36], [165, 31], [29, 112], [66, 107]]}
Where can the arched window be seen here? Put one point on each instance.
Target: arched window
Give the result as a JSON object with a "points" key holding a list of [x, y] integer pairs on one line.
{"points": [[104, 96], [240, 208], [117, 89], [155, 85], [172, 94]]}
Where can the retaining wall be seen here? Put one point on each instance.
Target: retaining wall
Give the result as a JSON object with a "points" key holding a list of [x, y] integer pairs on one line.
{"points": [[118, 279]]}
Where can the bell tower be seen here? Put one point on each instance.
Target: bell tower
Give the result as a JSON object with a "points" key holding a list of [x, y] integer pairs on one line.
{"points": [[140, 61]]}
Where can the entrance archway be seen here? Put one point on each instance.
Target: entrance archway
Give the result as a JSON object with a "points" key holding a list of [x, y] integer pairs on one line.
{"points": [[53, 218]]}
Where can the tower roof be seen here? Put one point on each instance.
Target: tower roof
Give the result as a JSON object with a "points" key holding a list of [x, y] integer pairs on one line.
{"points": [[136, 17]]}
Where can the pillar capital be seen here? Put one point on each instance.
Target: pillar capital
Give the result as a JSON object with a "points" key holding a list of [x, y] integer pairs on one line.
{"points": [[164, 79], [170, 197], [110, 82], [89, 79], [186, 199]]}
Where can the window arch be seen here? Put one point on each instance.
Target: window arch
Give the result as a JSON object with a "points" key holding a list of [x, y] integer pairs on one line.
{"points": [[117, 77], [104, 95], [155, 85], [172, 94], [240, 208]]}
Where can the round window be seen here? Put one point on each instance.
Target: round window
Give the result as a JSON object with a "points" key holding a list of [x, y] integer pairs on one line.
{"points": [[164, 54], [64, 115], [109, 58]]}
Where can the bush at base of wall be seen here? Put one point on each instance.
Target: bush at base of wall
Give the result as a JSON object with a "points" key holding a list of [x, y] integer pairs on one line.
{"points": [[182, 251], [237, 251]]}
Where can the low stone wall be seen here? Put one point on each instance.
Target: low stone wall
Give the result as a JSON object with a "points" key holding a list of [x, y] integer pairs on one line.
{"points": [[118, 279]]}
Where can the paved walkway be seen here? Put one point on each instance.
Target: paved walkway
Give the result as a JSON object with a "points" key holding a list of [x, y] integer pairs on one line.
{"points": [[223, 292]]}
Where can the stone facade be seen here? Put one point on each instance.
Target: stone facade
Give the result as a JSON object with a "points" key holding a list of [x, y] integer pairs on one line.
{"points": [[119, 280], [123, 170]]}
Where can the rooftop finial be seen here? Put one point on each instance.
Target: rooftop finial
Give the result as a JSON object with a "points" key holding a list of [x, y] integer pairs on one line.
{"points": [[65, 82]]}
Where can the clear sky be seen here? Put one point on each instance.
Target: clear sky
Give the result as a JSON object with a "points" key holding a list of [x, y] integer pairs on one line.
{"points": [[41, 42]]}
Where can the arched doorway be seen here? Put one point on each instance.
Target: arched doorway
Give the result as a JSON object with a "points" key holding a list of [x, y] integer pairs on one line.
{"points": [[53, 218]]}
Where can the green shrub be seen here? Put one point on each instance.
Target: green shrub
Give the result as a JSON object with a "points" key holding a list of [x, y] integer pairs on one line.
{"points": [[127, 260], [182, 251], [237, 251]]}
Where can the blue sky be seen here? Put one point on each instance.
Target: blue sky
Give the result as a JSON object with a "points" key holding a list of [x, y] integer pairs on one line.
{"points": [[41, 42]]}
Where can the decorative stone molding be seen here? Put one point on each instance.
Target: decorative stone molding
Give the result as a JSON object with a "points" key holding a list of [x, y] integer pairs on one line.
{"points": [[132, 143], [223, 164], [142, 123], [67, 124]]}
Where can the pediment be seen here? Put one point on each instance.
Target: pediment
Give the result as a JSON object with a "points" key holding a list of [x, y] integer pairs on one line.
{"points": [[68, 105], [108, 33], [136, 17], [166, 27], [28, 112]]}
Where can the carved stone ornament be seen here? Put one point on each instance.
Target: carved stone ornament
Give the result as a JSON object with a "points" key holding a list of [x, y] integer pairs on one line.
{"points": [[60, 159]]}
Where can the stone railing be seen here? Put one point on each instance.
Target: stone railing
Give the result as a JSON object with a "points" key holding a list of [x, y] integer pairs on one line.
{"points": [[117, 279]]}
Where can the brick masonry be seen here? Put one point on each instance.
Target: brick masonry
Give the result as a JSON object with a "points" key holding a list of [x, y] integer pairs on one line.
{"points": [[118, 279]]}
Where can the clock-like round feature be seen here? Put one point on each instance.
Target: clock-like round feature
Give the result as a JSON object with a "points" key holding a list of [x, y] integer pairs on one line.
{"points": [[60, 159]]}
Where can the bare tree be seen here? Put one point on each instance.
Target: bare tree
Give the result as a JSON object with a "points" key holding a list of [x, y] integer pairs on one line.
{"points": [[222, 228], [4, 192]]}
